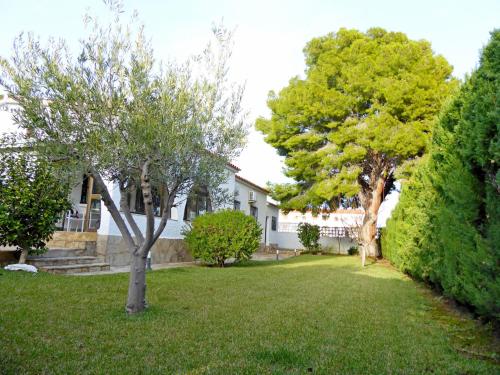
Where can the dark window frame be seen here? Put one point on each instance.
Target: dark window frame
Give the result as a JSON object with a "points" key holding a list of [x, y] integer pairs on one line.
{"points": [[254, 212], [274, 223], [138, 207], [197, 203], [237, 205]]}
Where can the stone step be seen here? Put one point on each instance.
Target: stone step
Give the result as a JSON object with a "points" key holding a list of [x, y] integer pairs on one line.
{"points": [[59, 261], [76, 268], [61, 252]]}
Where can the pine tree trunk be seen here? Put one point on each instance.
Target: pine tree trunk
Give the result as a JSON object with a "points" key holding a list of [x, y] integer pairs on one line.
{"points": [[24, 255], [136, 300], [368, 235]]}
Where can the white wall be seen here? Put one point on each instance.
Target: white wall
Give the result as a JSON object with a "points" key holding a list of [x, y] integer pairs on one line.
{"points": [[174, 227], [6, 121], [339, 218], [290, 241], [241, 194], [271, 211], [230, 186]]}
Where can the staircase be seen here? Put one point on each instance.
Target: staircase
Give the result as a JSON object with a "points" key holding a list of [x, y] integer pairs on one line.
{"points": [[70, 260]]}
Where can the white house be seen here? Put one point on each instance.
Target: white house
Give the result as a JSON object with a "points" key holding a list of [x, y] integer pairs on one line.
{"points": [[89, 224], [253, 200], [90, 215]]}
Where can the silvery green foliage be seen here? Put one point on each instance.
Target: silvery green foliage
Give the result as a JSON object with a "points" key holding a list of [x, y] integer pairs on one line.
{"points": [[114, 111]]}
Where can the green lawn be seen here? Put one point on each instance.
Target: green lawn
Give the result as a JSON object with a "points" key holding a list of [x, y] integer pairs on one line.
{"points": [[310, 313]]}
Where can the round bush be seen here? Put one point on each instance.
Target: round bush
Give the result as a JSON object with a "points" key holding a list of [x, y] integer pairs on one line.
{"points": [[215, 237], [309, 237]]}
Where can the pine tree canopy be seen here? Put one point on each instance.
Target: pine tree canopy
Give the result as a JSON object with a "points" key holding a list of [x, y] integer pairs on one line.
{"points": [[365, 107]]}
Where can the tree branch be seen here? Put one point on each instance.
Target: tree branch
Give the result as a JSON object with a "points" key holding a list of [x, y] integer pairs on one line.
{"points": [[124, 206], [166, 214], [147, 195], [113, 210]]}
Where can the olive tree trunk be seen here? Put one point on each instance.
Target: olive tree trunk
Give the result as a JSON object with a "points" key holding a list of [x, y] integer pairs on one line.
{"points": [[24, 255], [140, 244], [136, 299]]}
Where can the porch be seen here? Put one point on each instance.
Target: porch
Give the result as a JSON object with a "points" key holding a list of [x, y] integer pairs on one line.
{"points": [[85, 212]]}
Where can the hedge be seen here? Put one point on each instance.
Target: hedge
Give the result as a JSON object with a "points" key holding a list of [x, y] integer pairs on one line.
{"points": [[446, 227]]}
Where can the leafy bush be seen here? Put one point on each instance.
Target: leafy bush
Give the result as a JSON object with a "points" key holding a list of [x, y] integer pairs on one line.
{"points": [[215, 237], [353, 250], [446, 227], [31, 201], [309, 237]]}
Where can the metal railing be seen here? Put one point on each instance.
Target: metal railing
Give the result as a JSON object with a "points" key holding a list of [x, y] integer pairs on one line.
{"points": [[72, 223], [325, 231]]}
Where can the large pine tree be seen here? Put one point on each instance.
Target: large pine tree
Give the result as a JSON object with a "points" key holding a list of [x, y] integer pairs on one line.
{"points": [[365, 107]]}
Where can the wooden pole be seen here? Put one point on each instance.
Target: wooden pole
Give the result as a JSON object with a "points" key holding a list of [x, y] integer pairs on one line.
{"points": [[90, 187]]}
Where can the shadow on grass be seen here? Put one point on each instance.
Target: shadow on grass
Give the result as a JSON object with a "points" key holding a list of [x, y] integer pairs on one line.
{"points": [[277, 319]]}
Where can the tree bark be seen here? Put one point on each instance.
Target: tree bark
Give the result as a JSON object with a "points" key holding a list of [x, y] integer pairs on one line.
{"points": [[113, 210], [124, 206], [24, 255], [141, 245], [136, 299], [368, 235]]}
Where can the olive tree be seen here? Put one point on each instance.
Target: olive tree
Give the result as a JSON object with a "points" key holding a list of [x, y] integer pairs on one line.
{"points": [[131, 121]]}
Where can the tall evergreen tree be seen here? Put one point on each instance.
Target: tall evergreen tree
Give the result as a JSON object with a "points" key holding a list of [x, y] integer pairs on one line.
{"points": [[446, 227], [365, 108]]}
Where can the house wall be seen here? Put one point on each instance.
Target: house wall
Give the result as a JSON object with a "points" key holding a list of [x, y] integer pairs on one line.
{"points": [[170, 246], [272, 235], [113, 249], [339, 218], [174, 227], [7, 125], [241, 194], [290, 241]]}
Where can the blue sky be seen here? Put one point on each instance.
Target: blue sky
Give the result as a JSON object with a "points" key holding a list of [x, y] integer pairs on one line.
{"points": [[269, 38]]}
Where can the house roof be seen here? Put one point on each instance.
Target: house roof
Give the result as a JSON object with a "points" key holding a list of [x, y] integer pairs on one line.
{"points": [[272, 204], [251, 184], [233, 166]]}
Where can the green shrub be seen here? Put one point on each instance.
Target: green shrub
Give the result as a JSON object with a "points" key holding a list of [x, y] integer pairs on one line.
{"points": [[32, 199], [353, 250], [309, 237], [446, 227], [215, 237]]}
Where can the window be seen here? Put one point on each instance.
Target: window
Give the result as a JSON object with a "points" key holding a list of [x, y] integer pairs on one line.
{"points": [[197, 204], [85, 189], [237, 205], [254, 211], [274, 222], [136, 201]]}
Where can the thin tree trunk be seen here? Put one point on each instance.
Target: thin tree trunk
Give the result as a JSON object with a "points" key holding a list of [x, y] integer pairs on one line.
{"points": [[24, 255], [124, 206], [142, 244], [136, 299], [113, 210]]}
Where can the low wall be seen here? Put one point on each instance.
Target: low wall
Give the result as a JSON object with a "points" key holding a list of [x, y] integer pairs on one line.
{"points": [[73, 240], [7, 256], [290, 241], [114, 251]]}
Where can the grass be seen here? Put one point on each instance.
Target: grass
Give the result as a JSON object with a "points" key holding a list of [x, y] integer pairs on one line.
{"points": [[316, 314]]}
